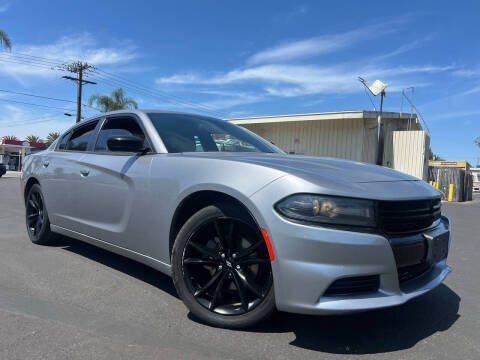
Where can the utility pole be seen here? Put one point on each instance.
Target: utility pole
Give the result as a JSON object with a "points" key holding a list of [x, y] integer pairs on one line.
{"points": [[78, 68]]}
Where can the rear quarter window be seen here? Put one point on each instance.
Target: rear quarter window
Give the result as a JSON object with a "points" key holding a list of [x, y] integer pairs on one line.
{"points": [[81, 137]]}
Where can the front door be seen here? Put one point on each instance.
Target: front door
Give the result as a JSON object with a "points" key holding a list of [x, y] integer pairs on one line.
{"points": [[115, 190]]}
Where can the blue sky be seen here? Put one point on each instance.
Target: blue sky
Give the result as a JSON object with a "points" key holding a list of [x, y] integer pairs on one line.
{"points": [[242, 58]]}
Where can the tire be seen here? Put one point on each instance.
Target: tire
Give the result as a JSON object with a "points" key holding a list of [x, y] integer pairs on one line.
{"points": [[237, 278], [36, 217]]}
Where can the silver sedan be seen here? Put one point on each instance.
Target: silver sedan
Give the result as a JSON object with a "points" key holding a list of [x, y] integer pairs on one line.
{"points": [[242, 228]]}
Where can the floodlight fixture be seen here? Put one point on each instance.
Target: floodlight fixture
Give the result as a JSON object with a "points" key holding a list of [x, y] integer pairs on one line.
{"points": [[377, 87]]}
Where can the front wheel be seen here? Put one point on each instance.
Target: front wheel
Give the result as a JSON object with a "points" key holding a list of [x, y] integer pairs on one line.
{"points": [[221, 268]]}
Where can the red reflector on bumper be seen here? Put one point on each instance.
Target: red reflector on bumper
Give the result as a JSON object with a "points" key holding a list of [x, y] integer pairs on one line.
{"points": [[269, 244]]}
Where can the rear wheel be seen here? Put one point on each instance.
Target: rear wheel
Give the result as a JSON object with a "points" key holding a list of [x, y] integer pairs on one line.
{"points": [[221, 268], [38, 224]]}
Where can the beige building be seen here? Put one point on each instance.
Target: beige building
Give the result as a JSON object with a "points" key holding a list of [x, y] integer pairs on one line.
{"points": [[476, 178], [349, 135]]}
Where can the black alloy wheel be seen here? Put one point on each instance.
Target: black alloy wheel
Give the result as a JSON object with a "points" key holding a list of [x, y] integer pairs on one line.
{"points": [[226, 266], [35, 213], [36, 216], [222, 269]]}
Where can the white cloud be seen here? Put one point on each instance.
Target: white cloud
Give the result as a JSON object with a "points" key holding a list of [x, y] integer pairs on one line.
{"points": [[4, 6], [406, 47], [455, 114], [67, 48], [289, 80], [276, 71], [324, 44], [232, 99], [467, 73], [473, 90]]}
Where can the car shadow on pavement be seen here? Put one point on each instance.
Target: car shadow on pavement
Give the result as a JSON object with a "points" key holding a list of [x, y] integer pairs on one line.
{"points": [[119, 263], [371, 332]]}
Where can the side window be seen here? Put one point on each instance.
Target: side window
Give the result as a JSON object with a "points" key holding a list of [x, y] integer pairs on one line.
{"points": [[81, 137], [62, 144], [122, 126]]}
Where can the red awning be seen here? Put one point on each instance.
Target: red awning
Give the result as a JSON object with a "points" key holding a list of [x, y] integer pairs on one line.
{"points": [[23, 143]]}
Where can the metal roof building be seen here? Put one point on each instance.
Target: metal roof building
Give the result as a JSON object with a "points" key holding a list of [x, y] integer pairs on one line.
{"points": [[349, 135]]}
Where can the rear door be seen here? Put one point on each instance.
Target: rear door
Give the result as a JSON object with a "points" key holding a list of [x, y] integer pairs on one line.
{"points": [[115, 192], [62, 175]]}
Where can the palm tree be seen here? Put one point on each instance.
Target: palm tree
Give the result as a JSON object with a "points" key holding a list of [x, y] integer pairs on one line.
{"points": [[10, 137], [116, 101], [51, 137], [477, 141], [5, 40], [436, 157], [33, 138]]}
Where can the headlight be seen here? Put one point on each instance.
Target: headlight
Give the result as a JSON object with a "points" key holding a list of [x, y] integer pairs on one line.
{"points": [[328, 210]]}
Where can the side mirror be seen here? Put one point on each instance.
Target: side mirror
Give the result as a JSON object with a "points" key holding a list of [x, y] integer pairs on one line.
{"points": [[125, 144]]}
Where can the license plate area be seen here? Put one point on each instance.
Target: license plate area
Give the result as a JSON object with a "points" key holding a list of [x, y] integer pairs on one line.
{"points": [[417, 253], [437, 246]]}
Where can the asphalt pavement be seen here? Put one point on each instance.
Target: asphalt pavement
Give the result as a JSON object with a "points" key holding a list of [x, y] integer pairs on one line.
{"points": [[74, 301]]}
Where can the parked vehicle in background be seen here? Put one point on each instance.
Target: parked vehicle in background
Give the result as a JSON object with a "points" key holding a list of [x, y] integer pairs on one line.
{"points": [[242, 227], [3, 170]]}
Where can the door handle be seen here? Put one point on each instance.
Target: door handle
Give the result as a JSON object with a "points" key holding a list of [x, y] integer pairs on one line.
{"points": [[84, 172], [45, 164]]}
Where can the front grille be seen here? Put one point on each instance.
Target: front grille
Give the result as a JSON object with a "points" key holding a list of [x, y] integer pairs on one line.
{"points": [[353, 285], [408, 216]]}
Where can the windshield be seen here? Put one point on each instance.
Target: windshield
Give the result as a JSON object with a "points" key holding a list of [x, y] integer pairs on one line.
{"points": [[190, 133]]}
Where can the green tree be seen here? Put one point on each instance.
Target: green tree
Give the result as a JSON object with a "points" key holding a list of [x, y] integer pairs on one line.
{"points": [[33, 138], [5, 40], [10, 137], [477, 141], [51, 137], [437, 157], [116, 101]]}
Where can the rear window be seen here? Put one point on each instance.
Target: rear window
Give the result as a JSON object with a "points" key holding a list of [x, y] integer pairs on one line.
{"points": [[62, 145]]}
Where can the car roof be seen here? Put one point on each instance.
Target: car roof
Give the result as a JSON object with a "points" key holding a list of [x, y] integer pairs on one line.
{"points": [[143, 111], [137, 112]]}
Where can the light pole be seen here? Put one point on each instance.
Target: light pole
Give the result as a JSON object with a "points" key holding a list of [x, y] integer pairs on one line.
{"points": [[376, 88], [68, 114]]}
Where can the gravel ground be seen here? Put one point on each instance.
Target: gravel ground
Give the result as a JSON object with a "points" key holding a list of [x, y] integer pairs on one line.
{"points": [[74, 301]]}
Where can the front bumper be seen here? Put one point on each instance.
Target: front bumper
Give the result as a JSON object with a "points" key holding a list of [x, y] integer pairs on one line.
{"points": [[309, 259]]}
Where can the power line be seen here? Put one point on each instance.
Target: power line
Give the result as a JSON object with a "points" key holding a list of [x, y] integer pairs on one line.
{"points": [[161, 93], [144, 91], [39, 105], [28, 64], [113, 81], [26, 61], [46, 97], [30, 122], [59, 65], [33, 57]]}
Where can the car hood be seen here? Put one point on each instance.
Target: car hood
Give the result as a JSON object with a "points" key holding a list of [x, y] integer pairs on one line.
{"points": [[314, 169]]}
